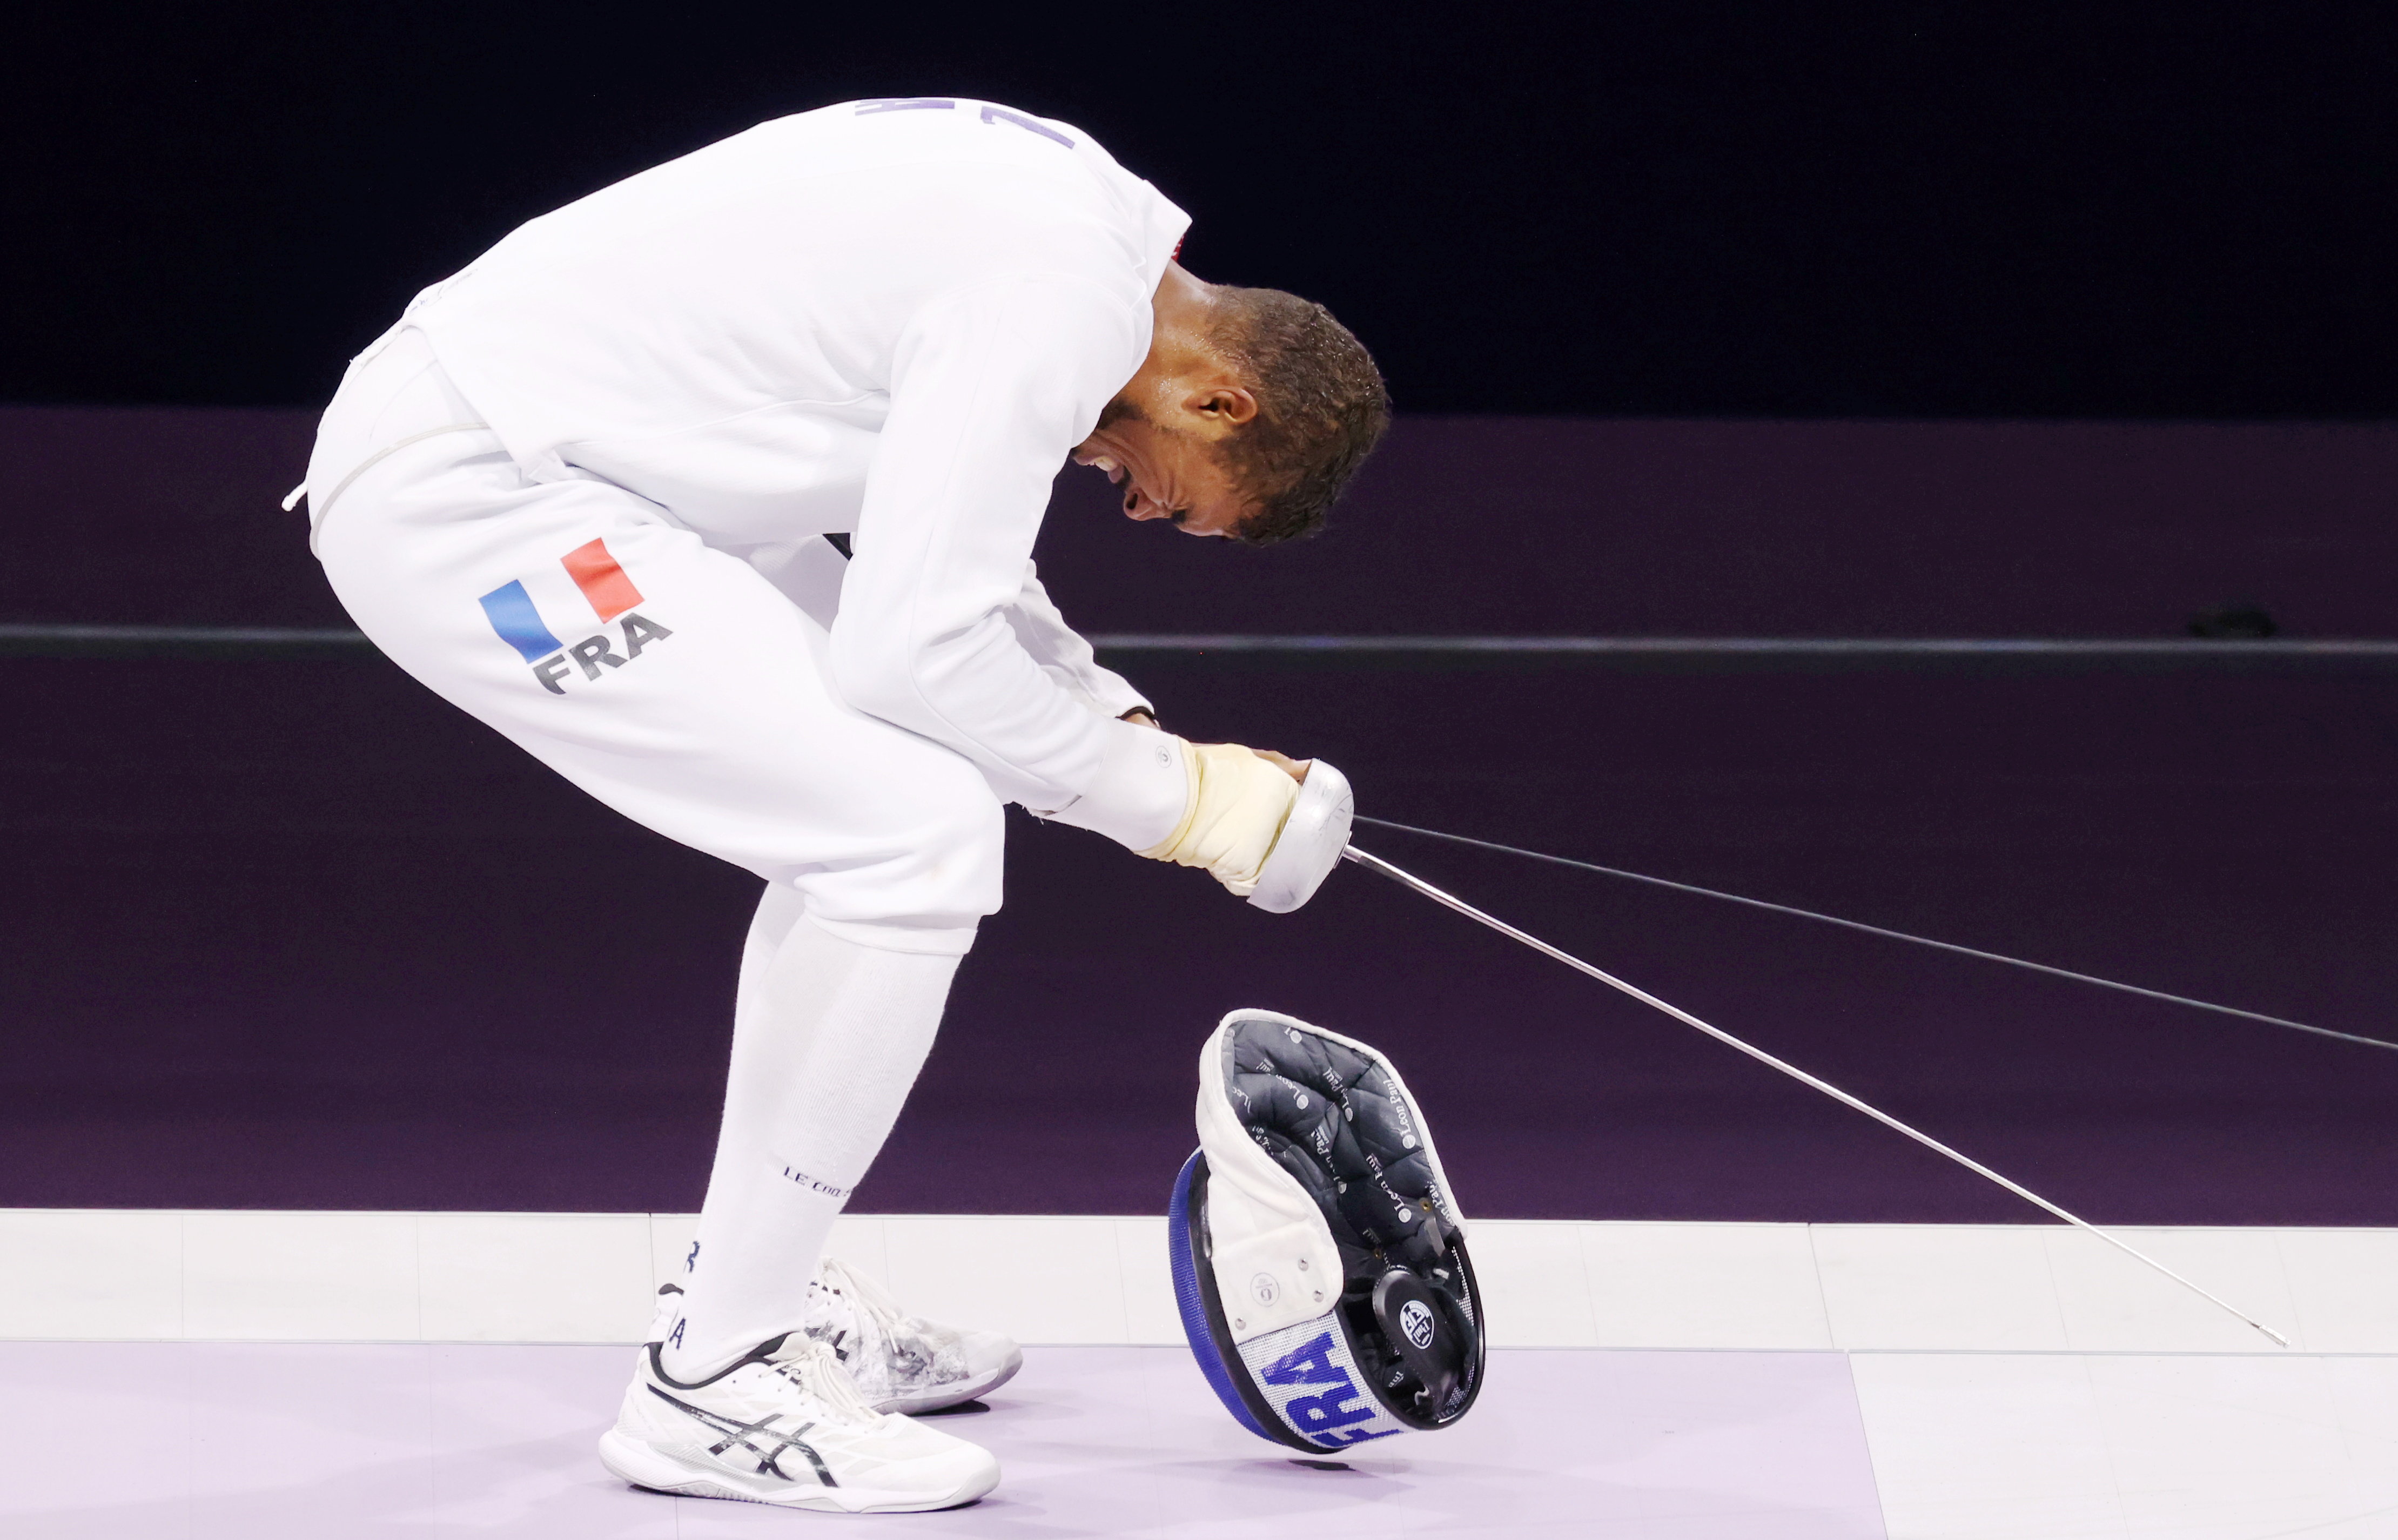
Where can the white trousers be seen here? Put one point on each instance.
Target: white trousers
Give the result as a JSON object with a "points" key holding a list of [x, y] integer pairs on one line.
{"points": [[685, 687], [679, 685]]}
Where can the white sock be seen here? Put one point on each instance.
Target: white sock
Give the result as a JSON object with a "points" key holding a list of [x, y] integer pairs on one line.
{"points": [[827, 1036]]}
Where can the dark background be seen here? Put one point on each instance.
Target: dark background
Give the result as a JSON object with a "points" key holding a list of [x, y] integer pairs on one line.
{"points": [[1918, 209], [283, 930]]}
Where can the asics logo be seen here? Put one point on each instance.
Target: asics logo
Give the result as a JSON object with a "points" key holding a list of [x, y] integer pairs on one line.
{"points": [[762, 1440], [610, 592]]}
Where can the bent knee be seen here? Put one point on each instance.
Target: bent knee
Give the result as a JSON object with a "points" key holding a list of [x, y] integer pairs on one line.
{"points": [[926, 884], [963, 841]]}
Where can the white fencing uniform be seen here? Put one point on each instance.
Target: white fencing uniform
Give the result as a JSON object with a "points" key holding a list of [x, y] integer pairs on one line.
{"points": [[579, 491]]}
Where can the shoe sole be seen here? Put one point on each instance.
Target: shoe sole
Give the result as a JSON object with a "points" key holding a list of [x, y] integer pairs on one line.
{"points": [[637, 1463], [959, 1394]]}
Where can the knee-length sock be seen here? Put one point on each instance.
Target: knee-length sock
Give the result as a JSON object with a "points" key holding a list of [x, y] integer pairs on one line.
{"points": [[827, 1038]]}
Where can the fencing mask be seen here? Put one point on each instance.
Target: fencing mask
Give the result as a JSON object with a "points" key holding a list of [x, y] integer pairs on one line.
{"points": [[1318, 1258]]}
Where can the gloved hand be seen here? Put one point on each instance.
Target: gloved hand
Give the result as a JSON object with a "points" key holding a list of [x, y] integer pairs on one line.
{"points": [[1237, 801]]}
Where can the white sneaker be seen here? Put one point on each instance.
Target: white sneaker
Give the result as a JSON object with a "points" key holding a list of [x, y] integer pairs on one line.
{"points": [[902, 1363], [785, 1425]]}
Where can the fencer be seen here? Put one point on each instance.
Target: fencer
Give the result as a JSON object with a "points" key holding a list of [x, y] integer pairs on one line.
{"points": [[582, 490]]}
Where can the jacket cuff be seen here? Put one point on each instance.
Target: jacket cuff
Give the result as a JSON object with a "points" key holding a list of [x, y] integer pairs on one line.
{"points": [[1142, 792]]}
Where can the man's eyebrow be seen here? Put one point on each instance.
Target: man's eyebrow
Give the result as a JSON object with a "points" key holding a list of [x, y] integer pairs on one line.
{"points": [[1179, 514]]}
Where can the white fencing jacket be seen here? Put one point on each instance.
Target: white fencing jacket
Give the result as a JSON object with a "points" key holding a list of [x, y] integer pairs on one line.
{"points": [[891, 318]]}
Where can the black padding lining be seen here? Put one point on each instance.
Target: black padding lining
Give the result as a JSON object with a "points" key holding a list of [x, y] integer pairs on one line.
{"points": [[1335, 1121]]}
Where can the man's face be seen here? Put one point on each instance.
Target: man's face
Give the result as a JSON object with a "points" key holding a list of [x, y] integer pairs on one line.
{"points": [[1163, 473]]}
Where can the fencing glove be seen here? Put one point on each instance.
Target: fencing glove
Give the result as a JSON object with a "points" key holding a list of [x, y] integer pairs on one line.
{"points": [[1234, 812], [1220, 807]]}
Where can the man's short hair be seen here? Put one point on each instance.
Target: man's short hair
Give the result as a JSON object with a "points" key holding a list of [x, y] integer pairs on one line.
{"points": [[1321, 408]]}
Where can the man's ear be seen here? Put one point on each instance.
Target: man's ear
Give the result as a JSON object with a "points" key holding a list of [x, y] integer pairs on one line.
{"points": [[1222, 405]]}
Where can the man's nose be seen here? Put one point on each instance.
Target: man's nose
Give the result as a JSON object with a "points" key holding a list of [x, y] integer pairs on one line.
{"points": [[1137, 505]]}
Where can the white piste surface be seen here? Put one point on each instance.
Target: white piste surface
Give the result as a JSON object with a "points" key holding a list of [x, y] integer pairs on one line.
{"points": [[2131, 1447], [2015, 1382], [294, 1276]]}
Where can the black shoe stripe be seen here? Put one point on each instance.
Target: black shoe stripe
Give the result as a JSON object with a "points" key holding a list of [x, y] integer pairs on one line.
{"points": [[763, 1353], [743, 1433]]}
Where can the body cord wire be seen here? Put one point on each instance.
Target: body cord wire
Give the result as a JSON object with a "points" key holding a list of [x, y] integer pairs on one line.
{"points": [[1881, 931]]}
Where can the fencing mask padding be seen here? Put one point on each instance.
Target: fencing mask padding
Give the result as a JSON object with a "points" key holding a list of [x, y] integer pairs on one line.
{"points": [[1319, 1259]]}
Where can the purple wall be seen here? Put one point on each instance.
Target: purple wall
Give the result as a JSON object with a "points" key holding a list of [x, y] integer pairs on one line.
{"points": [[294, 933], [157, 517], [1461, 524], [1515, 525]]}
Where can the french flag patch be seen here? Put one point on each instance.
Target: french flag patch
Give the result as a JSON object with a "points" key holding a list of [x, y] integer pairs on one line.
{"points": [[610, 593]]}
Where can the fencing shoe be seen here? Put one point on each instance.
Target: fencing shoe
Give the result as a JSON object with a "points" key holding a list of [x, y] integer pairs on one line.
{"points": [[902, 1363], [785, 1425]]}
